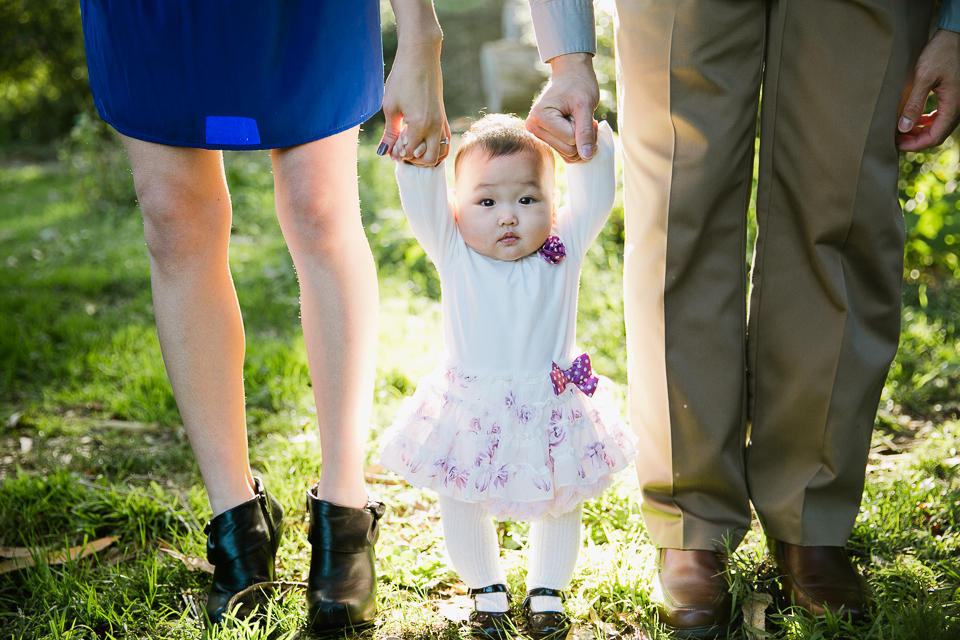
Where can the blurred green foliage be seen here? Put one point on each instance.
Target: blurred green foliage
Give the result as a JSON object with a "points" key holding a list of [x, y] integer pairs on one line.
{"points": [[95, 159], [931, 203], [43, 72]]}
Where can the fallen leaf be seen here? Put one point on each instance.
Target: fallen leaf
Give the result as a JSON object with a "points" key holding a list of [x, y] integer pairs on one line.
{"points": [[193, 563], [55, 557]]}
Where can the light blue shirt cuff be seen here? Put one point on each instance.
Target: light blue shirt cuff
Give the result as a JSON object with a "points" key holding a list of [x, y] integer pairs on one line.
{"points": [[563, 26], [949, 15]]}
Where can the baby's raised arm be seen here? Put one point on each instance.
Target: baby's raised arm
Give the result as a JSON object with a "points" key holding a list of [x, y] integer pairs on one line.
{"points": [[424, 196], [592, 188]]}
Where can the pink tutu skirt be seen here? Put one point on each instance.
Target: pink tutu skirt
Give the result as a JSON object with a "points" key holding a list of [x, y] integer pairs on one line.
{"points": [[508, 442]]}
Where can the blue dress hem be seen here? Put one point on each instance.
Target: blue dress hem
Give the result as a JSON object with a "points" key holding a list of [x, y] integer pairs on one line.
{"points": [[257, 147]]}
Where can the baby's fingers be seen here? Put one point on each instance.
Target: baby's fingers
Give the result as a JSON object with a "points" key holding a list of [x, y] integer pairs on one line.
{"points": [[400, 147]]}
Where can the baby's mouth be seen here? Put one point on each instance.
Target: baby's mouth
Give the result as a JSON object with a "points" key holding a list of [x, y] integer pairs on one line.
{"points": [[508, 238]]}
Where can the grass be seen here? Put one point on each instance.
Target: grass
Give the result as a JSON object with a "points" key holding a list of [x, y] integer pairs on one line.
{"points": [[91, 446]]}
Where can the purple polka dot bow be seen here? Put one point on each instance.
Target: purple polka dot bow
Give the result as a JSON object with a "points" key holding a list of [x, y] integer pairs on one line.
{"points": [[580, 374], [553, 250]]}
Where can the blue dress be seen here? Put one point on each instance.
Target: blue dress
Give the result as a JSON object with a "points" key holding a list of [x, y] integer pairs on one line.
{"points": [[233, 74]]}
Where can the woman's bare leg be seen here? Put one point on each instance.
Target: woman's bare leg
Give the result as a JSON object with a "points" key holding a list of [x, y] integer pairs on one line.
{"points": [[186, 219], [318, 207]]}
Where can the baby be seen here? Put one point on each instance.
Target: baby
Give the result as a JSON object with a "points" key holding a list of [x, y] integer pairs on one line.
{"points": [[512, 423]]}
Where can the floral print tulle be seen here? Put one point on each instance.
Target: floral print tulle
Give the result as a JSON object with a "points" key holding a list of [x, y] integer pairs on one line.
{"points": [[509, 442]]}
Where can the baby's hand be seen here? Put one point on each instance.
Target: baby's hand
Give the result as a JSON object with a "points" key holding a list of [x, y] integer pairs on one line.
{"points": [[400, 146]]}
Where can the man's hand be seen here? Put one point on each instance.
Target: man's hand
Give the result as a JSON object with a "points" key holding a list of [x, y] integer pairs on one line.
{"points": [[938, 70], [563, 114]]}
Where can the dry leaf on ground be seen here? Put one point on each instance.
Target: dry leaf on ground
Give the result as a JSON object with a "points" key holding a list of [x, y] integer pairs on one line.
{"points": [[23, 558], [194, 563]]}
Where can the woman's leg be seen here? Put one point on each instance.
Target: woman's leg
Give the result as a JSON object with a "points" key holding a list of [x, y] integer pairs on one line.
{"points": [[553, 547], [186, 219], [318, 207]]}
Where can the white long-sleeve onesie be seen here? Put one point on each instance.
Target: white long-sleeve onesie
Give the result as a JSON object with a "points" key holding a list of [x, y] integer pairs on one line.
{"points": [[486, 425]]}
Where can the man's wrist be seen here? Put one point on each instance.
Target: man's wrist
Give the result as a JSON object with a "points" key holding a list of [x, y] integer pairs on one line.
{"points": [[577, 62]]}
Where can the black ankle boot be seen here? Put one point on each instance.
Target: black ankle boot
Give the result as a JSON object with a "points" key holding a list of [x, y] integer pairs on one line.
{"points": [[342, 588], [242, 546]]}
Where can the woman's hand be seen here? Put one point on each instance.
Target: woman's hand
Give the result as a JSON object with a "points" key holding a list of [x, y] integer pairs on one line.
{"points": [[413, 96]]}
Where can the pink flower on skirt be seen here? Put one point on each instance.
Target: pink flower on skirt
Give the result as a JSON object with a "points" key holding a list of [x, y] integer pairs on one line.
{"points": [[442, 464], [483, 477], [524, 414], [556, 435], [456, 476], [541, 483], [620, 439], [598, 454]]}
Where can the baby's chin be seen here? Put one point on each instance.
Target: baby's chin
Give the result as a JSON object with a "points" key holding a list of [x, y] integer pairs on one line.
{"points": [[507, 253]]}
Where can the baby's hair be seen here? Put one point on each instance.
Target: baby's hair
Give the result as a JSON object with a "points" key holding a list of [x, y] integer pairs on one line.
{"points": [[499, 134]]}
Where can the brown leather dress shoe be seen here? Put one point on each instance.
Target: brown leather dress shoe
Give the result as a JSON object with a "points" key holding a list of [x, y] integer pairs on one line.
{"points": [[695, 599], [820, 579]]}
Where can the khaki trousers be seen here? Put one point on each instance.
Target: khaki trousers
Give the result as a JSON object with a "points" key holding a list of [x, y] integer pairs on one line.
{"points": [[802, 377]]}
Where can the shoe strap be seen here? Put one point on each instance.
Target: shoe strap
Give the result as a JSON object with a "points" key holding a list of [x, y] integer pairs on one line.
{"points": [[491, 588], [543, 591]]}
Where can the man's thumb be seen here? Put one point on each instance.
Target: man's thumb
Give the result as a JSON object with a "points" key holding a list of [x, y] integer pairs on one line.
{"points": [[585, 132], [913, 107]]}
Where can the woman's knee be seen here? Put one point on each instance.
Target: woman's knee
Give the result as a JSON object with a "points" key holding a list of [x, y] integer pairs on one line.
{"points": [[313, 223], [183, 217]]}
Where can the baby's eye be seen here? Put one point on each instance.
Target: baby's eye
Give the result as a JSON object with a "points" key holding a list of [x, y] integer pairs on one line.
{"points": [[527, 200], [487, 202]]}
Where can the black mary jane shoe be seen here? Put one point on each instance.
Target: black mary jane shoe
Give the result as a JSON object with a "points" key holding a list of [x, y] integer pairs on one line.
{"points": [[342, 587], [546, 624], [490, 625], [242, 546]]}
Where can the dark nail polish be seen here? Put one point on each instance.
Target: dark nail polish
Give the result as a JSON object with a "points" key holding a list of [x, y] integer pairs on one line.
{"points": [[382, 149]]}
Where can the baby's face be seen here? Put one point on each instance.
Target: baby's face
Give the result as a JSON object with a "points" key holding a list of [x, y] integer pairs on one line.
{"points": [[505, 205]]}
